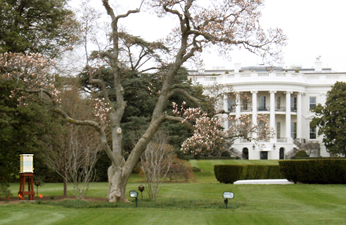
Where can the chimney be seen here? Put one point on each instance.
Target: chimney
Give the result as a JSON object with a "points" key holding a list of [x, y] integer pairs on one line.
{"points": [[318, 64], [237, 67]]}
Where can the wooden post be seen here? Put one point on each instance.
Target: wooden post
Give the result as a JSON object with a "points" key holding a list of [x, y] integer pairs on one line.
{"points": [[30, 192]]}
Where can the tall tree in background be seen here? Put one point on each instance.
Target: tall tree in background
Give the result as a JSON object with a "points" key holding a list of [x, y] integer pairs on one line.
{"points": [[224, 24], [330, 119], [35, 26]]}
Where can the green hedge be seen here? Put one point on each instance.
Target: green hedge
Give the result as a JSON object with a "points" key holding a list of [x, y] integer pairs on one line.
{"points": [[319, 171], [231, 173]]}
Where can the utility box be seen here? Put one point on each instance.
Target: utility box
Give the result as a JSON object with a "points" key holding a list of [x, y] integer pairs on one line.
{"points": [[26, 163]]}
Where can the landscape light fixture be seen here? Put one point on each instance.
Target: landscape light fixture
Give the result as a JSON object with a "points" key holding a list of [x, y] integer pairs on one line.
{"points": [[134, 194], [227, 195], [141, 189], [274, 146], [253, 147], [37, 183]]}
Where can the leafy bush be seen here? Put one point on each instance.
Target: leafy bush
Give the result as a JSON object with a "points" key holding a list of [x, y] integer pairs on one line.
{"points": [[231, 173], [319, 171], [180, 170], [4, 191], [301, 154], [225, 154]]}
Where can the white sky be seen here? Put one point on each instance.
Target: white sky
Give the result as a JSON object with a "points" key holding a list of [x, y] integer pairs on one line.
{"points": [[313, 27]]}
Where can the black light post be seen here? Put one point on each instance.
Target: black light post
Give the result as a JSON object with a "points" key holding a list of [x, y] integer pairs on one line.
{"points": [[227, 195], [37, 183], [134, 194], [141, 189]]}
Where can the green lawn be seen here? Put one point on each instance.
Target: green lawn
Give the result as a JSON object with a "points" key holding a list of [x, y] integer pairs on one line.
{"points": [[188, 203]]}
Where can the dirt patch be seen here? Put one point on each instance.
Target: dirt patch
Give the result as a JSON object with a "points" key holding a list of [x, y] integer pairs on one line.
{"points": [[15, 200]]}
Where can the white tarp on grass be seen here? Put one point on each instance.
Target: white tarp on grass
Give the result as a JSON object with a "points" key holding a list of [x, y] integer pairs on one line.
{"points": [[264, 181]]}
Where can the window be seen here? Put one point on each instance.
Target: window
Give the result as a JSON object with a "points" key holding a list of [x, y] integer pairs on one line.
{"points": [[230, 105], [293, 104], [312, 102], [294, 130], [312, 132], [278, 101], [245, 104], [278, 130], [262, 103]]}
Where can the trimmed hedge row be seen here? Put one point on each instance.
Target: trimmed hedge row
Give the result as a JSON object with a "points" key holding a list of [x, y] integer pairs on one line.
{"points": [[231, 173], [319, 171]]}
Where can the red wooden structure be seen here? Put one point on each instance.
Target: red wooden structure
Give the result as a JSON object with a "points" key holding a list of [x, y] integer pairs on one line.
{"points": [[30, 191]]}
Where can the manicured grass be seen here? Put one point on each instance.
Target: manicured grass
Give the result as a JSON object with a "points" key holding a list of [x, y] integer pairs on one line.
{"points": [[192, 203]]}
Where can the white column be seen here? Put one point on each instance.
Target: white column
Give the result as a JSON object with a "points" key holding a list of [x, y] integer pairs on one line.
{"points": [[299, 115], [254, 108], [225, 108], [272, 114], [237, 108], [288, 117]]}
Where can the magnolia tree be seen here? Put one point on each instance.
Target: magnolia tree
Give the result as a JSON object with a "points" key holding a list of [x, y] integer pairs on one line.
{"points": [[210, 137], [225, 24]]}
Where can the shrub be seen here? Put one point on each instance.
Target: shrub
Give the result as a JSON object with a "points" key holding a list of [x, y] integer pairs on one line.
{"points": [[4, 191], [319, 171], [231, 173], [196, 169], [301, 154], [180, 170], [225, 154]]}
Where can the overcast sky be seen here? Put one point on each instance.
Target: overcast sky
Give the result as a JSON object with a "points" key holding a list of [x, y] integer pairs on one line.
{"points": [[313, 27]]}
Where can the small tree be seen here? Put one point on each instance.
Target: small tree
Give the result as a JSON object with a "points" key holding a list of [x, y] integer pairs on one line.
{"points": [[156, 161], [330, 119]]}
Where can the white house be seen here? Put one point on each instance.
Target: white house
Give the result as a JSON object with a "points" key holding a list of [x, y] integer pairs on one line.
{"points": [[286, 95]]}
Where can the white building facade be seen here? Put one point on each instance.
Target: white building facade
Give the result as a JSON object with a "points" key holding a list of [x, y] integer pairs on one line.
{"points": [[286, 95]]}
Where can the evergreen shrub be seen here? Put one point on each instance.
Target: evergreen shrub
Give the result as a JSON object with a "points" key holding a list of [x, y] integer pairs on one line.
{"points": [[231, 173], [317, 171]]}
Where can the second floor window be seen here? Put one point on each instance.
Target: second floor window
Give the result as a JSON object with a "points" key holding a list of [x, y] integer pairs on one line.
{"points": [[230, 105], [278, 103], [262, 103], [293, 104]]}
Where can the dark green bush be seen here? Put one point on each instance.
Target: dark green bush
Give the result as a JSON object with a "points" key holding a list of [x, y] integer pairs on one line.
{"points": [[225, 154], [301, 154], [228, 173], [231, 173], [317, 171]]}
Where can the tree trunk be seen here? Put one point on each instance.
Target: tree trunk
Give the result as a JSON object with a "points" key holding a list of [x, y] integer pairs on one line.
{"points": [[65, 187], [117, 180]]}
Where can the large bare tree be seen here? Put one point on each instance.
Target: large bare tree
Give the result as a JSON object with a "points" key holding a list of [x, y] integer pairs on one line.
{"points": [[224, 24]]}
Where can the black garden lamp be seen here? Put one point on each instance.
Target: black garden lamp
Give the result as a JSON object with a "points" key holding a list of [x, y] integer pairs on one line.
{"points": [[37, 183], [134, 194], [274, 146], [227, 195], [141, 189]]}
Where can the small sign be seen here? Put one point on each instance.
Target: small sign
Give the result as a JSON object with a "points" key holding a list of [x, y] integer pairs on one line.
{"points": [[228, 195]]}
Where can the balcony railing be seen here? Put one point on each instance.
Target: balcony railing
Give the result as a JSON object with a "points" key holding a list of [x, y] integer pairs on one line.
{"points": [[280, 109], [246, 108], [261, 108], [281, 140]]}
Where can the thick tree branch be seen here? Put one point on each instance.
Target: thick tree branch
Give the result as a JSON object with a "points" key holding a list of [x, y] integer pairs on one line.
{"points": [[186, 95]]}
